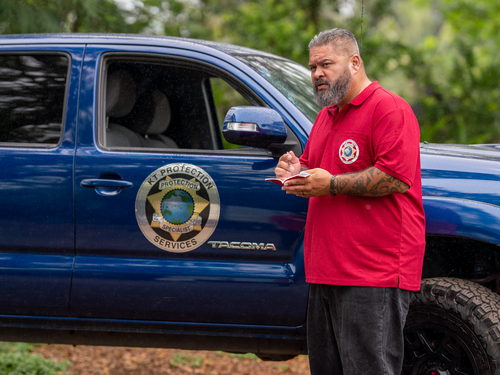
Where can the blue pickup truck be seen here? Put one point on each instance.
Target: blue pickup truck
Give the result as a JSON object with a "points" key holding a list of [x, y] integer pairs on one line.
{"points": [[135, 211]]}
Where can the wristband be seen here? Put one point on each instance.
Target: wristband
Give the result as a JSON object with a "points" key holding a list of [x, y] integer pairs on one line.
{"points": [[332, 185]]}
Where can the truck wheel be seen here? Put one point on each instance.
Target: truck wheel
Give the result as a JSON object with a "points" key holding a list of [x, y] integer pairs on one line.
{"points": [[452, 328]]}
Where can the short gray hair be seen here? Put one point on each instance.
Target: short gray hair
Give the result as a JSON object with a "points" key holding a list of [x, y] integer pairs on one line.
{"points": [[339, 39]]}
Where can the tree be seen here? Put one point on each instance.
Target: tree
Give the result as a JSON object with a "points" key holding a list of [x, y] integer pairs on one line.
{"points": [[440, 55], [39, 16]]}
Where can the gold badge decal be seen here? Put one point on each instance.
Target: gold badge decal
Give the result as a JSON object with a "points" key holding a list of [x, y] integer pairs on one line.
{"points": [[177, 207]]}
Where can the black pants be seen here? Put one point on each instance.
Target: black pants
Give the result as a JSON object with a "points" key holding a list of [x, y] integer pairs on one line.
{"points": [[356, 330]]}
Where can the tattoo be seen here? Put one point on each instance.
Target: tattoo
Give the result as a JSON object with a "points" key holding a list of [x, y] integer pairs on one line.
{"points": [[371, 182], [331, 188]]}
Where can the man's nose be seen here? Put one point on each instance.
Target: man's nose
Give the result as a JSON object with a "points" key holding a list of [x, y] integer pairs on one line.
{"points": [[317, 73]]}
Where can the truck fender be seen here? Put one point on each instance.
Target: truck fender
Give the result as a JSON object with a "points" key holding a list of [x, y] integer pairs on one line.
{"points": [[463, 218]]}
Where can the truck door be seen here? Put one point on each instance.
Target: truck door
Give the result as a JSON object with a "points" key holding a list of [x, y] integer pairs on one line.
{"points": [[173, 223], [38, 98]]}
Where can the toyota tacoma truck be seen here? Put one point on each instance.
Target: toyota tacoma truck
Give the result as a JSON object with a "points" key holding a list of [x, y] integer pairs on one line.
{"points": [[135, 211]]}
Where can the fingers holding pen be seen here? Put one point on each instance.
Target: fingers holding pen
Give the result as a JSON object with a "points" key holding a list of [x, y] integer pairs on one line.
{"points": [[288, 165]]}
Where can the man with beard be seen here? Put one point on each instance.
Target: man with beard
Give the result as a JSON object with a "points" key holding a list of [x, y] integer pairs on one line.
{"points": [[364, 237]]}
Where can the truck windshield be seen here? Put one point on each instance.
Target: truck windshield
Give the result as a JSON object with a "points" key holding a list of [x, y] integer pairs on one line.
{"points": [[290, 78]]}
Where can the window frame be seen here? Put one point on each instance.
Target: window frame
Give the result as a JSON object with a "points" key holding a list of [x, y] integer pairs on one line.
{"points": [[175, 61], [48, 146]]}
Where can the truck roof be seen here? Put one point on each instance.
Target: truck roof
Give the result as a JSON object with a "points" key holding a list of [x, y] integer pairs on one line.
{"points": [[130, 39]]}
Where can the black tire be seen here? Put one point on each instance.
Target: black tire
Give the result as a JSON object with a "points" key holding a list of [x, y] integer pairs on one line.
{"points": [[453, 328]]}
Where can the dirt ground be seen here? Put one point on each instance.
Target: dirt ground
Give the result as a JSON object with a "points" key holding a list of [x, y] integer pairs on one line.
{"points": [[100, 360]]}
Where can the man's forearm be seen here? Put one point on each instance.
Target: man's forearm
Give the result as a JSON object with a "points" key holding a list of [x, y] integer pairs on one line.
{"points": [[371, 182]]}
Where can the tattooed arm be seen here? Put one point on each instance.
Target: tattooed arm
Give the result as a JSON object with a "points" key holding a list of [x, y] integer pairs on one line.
{"points": [[371, 182]]}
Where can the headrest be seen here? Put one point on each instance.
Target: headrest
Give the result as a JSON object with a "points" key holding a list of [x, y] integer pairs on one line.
{"points": [[161, 113], [120, 93]]}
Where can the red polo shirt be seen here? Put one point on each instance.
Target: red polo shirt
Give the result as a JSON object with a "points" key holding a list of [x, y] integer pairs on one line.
{"points": [[361, 241]]}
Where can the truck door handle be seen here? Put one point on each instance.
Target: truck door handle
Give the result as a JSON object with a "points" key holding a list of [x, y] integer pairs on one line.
{"points": [[106, 187], [98, 182]]}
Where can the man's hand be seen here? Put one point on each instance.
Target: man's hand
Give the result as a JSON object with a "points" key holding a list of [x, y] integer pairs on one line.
{"points": [[288, 165], [316, 185]]}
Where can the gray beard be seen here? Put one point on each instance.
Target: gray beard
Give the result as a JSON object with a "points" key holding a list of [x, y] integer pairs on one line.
{"points": [[335, 92]]}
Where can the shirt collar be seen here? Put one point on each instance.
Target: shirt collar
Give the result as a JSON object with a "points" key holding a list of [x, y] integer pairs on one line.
{"points": [[363, 95]]}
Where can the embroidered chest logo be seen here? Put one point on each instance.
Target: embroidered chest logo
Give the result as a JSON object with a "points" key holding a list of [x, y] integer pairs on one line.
{"points": [[349, 151]]}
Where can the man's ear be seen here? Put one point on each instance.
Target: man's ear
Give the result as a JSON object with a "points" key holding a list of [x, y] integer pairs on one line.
{"points": [[355, 63]]}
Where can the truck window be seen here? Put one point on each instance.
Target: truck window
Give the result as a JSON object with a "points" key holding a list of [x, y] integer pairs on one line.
{"points": [[167, 105], [32, 91], [225, 96]]}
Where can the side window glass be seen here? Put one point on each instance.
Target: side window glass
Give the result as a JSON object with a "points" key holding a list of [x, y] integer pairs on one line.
{"points": [[225, 97], [154, 104], [32, 91]]}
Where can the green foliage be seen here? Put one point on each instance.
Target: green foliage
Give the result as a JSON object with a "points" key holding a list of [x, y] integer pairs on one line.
{"points": [[19, 347], [285, 30], [440, 55], [251, 356], [186, 360], [17, 359], [40, 16]]}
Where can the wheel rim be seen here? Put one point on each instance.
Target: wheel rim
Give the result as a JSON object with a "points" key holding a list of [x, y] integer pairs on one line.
{"points": [[438, 342]]}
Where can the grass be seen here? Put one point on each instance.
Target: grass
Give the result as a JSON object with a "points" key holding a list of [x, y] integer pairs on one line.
{"points": [[18, 359], [243, 356], [186, 360]]}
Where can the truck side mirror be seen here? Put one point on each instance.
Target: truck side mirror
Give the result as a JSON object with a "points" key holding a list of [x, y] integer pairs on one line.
{"points": [[254, 127]]}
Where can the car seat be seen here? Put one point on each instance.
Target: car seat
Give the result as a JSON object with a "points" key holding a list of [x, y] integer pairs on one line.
{"points": [[121, 94], [156, 122]]}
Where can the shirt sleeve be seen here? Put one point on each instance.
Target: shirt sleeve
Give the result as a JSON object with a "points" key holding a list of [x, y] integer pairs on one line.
{"points": [[396, 142]]}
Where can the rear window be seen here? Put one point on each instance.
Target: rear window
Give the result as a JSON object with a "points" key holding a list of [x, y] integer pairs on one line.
{"points": [[32, 92]]}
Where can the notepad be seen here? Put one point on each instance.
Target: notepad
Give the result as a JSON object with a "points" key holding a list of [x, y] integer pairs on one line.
{"points": [[281, 181]]}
